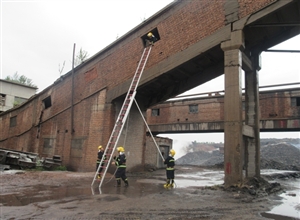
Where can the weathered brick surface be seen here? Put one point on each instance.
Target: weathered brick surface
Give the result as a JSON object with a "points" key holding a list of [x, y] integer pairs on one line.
{"points": [[273, 105], [209, 110], [179, 27], [278, 105], [153, 158], [251, 6]]}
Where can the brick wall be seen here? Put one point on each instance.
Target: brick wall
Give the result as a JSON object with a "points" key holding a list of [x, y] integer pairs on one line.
{"points": [[153, 158], [273, 105], [278, 105], [209, 109], [251, 6]]}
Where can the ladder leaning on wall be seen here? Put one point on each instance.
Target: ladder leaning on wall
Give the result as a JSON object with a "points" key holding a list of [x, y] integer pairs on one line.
{"points": [[115, 135]]}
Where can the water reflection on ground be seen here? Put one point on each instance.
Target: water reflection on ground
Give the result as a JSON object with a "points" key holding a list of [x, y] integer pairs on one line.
{"points": [[140, 186], [289, 209]]}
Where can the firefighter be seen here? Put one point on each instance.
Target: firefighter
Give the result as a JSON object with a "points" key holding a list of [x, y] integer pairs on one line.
{"points": [[151, 39], [99, 157], [120, 162], [170, 162]]}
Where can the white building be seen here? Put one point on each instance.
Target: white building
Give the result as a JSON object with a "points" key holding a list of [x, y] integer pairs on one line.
{"points": [[13, 94]]}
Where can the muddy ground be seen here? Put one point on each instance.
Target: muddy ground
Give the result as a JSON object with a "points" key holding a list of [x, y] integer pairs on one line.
{"points": [[69, 195]]}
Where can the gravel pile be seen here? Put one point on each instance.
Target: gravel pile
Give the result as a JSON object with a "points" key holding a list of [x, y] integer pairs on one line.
{"points": [[280, 156], [201, 158]]}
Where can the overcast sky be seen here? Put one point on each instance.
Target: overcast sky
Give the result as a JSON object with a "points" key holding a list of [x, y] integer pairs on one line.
{"points": [[37, 37]]}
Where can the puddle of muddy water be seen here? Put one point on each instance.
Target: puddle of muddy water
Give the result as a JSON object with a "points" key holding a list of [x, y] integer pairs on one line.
{"points": [[290, 207], [41, 193], [288, 210], [138, 187], [200, 179]]}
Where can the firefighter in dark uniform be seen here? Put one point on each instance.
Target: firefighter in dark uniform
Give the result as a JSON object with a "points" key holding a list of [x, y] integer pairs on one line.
{"points": [[99, 157], [120, 162], [151, 39], [170, 162]]}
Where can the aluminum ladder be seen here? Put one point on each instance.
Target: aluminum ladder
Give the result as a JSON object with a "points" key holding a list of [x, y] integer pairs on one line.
{"points": [[120, 122]]}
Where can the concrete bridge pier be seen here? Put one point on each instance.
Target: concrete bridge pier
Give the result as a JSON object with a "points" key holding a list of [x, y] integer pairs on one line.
{"points": [[251, 127], [233, 123], [133, 138]]}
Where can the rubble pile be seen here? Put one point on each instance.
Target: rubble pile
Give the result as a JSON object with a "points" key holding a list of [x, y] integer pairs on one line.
{"points": [[25, 160]]}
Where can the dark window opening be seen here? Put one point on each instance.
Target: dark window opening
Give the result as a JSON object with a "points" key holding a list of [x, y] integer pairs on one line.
{"points": [[48, 142], [13, 121], [155, 112], [295, 101], [154, 37], [47, 102], [193, 108], [49, 146], [2, 99]]}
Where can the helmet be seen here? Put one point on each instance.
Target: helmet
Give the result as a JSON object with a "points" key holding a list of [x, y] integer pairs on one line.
{"points": [[100, 147], [172, 152], [120, 149], [149, 34]]}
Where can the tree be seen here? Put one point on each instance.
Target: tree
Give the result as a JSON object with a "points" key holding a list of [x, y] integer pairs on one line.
{"points": [[60, 69], [20, 79], [81, 56]]}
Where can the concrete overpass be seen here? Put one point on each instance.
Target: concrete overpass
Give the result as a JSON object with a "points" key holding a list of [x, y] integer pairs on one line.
{"points": [[197, 41]]}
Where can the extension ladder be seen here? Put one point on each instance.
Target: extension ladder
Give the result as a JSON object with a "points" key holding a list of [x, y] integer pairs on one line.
{"points": [[116, 133]]}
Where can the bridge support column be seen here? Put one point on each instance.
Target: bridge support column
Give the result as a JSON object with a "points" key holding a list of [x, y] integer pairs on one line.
{"points": [[233, 143], [252, 143], [133, 139]]}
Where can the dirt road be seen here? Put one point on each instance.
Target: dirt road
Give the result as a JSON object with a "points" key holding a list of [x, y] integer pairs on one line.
{"points": [[68, 195]]}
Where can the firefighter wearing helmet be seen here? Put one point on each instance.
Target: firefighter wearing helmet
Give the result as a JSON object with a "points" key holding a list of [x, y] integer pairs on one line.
{"points": [[99, 157], [150, 39], [170, 162], [120, 162]]}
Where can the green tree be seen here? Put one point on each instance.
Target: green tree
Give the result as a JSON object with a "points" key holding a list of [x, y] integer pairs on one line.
{"points": [[81, 56], [20, 79]]}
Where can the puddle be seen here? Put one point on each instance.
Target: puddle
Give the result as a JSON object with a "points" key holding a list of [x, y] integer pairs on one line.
{"points": [[200, 179], [277, 217], [41, 193], [288, 209], [137, 188]]}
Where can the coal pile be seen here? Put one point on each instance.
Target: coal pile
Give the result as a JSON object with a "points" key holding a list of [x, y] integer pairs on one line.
{"points": [[201, 158], [280, 156]]}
